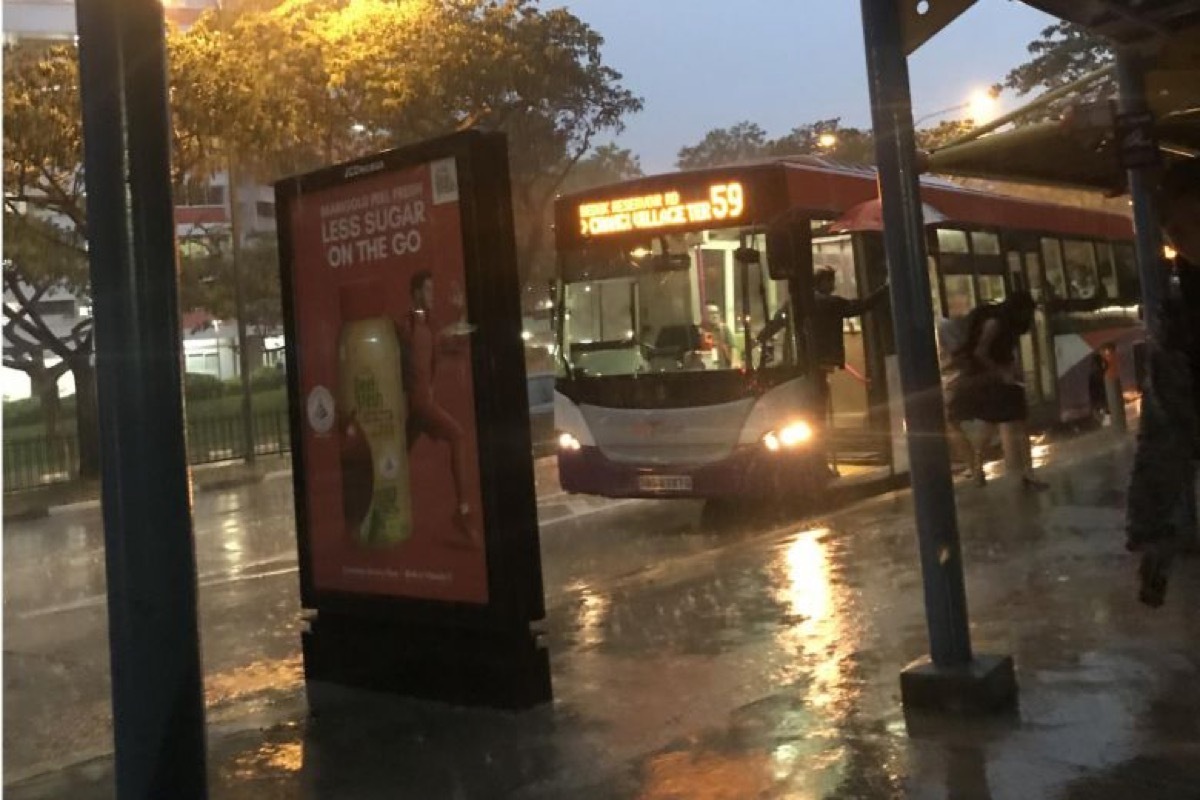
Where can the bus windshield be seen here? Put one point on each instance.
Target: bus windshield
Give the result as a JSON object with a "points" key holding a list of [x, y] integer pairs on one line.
{"points": [[691, 301]]}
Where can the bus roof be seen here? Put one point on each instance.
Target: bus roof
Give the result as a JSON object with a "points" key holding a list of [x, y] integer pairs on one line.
{"points": [[822, 188]]}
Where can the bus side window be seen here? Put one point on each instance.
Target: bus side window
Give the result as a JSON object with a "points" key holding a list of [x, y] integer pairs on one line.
{"points": [[1127, 273], [1081, 269], [1108, 270], [960, 295], [1055, 276]]}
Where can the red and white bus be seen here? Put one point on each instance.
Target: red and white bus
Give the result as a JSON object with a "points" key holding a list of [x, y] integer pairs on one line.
{"points": [[665, 282]]}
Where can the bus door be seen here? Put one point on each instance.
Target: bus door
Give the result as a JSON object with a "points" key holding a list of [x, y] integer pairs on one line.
{"points": [[1023, 263], [858, 414]]}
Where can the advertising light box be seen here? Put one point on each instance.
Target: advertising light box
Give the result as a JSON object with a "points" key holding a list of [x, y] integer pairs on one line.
{"points": [[406, 377]]}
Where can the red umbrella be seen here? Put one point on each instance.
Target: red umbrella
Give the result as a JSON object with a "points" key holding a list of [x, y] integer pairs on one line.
{"points": [[868, 216]]}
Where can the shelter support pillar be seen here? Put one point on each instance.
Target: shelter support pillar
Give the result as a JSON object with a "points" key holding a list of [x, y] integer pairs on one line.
{"points": [[157, 692], [952, 677], [1151, 275]]}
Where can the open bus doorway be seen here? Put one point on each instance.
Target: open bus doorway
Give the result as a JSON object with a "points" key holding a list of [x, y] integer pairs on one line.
{"points": [[858, 417]]}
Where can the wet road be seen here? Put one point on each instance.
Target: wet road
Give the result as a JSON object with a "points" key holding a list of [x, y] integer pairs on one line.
{"points": [[55, 644], [760, 663]]}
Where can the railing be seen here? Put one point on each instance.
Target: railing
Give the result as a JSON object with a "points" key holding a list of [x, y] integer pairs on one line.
{"points": [[40, 462], [29, 463], [213, 439]]}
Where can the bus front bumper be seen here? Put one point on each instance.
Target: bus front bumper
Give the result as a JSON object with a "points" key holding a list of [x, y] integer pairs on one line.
{"points": [[749, 471]]}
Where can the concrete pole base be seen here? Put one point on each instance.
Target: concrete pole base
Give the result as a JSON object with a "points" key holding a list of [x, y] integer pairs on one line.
{"points": [[987, 684]]}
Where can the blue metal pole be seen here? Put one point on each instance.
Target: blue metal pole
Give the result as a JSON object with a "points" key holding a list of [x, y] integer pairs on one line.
{"points": [[1148, 242], [158, 701], [912, 315]]}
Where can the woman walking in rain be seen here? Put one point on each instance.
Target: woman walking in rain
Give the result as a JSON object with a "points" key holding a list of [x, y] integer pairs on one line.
{"points": [[987, 386]]}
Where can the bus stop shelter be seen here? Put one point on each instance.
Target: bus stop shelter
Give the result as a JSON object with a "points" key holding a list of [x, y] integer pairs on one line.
{"points": [[1157, 117], [157, 692]]}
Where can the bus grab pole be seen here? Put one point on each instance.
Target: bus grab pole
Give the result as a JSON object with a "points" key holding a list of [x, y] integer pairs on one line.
{"points": [[912, 315]]}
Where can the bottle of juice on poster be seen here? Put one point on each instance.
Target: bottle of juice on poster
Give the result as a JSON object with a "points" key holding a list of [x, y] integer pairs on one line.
{"points": [[371, 396]]}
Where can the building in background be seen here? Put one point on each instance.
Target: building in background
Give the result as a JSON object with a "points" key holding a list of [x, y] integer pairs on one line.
{"points": [[202, 217]]}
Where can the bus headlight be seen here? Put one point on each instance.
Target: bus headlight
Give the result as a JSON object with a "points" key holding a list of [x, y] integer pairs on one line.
{"points": [[568, 442], [792, 435]]}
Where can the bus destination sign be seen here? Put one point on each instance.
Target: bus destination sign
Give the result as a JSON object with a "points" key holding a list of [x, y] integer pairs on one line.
{"points": [[659, 210]]}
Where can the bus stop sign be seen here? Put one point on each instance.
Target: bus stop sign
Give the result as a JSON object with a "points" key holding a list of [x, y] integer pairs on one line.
{"points": [[1137, 147]]}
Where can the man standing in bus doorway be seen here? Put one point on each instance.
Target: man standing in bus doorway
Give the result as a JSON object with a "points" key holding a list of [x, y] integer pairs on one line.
{"points": [[425, 415], [717, 336], [829, 346]]}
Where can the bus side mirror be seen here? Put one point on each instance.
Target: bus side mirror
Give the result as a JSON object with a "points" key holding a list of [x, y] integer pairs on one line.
{"points": [[789, 251], [747, 255]]}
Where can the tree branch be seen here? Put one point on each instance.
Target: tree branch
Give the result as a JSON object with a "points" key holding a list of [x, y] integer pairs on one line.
{"points": [[30, 321], [67, 205]]}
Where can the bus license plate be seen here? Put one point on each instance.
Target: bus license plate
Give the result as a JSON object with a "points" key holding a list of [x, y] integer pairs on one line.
{"points": [[665, 483]]}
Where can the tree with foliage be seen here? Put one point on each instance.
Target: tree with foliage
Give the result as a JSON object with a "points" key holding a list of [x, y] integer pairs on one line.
{"points": [[1062, 53], [323, 81], [606, 164], [207, 280], [45, 232], [849, 145], [281, 87], [746, 141], [946, 131], [737, 144]]}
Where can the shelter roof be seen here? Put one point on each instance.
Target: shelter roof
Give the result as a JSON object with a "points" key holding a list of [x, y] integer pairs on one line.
{"points": [[1079, 150]]}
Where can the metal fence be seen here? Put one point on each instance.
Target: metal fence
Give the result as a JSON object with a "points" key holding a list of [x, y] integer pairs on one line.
{"points": [[40, 462], [212, 439], [29, 463]]}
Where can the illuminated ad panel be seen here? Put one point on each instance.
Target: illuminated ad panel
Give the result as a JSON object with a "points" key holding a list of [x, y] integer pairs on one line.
{"points": [[395, 281]]}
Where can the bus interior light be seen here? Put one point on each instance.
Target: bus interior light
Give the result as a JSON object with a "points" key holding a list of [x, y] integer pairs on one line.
{"points": [[568, 442]]}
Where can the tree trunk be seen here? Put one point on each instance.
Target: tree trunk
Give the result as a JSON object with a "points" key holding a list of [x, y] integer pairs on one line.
{"points": [[87, 417], [44, 384]]}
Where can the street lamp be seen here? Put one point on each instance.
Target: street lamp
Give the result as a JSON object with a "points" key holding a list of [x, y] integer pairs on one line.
{"points": [[827, 140], [982, 104]]}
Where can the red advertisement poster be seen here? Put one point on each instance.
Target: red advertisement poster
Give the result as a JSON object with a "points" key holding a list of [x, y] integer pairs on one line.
{"points": [[383, 353]]}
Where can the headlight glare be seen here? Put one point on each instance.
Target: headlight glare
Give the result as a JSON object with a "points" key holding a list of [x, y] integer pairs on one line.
{"points": [[790, 436], [796, 433]]}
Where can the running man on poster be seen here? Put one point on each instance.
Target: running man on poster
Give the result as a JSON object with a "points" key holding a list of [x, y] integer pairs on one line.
{"points": [[384, 358]]}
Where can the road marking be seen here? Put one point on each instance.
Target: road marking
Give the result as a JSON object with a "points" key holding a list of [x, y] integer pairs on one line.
{"points": [[92, 601], [587, 512], [213, 579]]}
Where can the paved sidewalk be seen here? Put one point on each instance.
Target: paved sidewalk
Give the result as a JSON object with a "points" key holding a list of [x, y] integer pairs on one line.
{"points": [[769, 668]]}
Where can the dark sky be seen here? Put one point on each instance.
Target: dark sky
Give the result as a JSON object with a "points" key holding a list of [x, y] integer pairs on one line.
{"points": [[703, 64]]}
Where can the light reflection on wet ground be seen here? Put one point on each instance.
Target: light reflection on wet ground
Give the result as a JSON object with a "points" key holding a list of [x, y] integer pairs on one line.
{"points": [[766, 665]]}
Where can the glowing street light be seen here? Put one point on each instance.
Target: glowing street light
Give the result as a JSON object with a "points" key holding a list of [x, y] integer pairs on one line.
{"points": [[983, 106], [826, 140]]}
